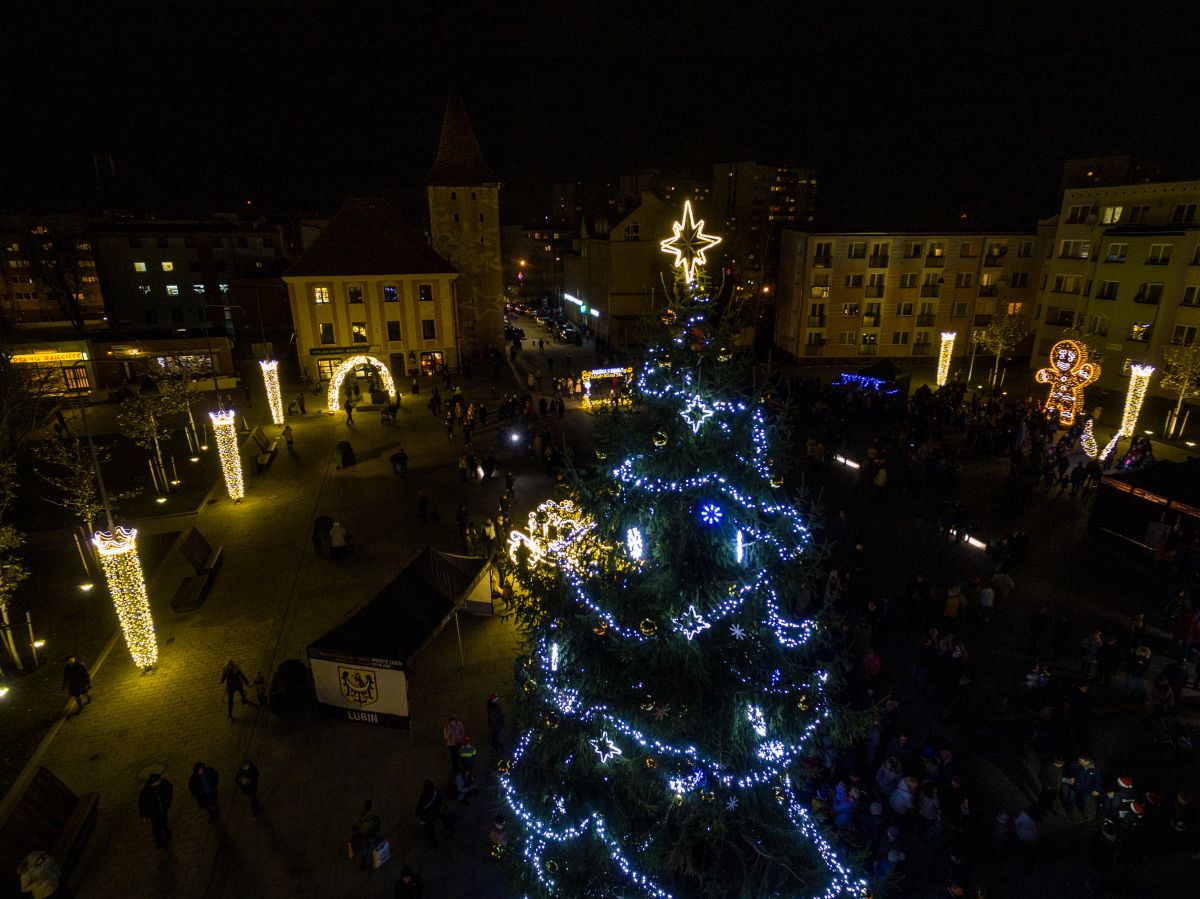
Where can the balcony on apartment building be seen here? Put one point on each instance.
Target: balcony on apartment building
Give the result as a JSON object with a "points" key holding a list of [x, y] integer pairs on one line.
{"points": [[932, 261], [877, 260], [868, 349], [926, 319], [870, 320]]}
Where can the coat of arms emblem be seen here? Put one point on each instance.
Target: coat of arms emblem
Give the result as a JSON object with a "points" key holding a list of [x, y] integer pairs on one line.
{"points": [[358, 685]]}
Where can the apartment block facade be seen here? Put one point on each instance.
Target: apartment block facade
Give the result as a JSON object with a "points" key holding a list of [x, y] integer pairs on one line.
{"points": [[1123, 266], [42, 259], [891, 294]]}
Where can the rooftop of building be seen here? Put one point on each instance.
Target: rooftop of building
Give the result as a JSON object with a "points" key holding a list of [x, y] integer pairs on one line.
{"points": [[368, 236], [459, 160]]}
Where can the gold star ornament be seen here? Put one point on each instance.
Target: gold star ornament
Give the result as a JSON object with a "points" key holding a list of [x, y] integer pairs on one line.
{"points": [[689, 243]]}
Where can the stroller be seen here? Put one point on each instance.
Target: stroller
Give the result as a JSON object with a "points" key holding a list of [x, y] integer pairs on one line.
{"points": [[1180, 736]]}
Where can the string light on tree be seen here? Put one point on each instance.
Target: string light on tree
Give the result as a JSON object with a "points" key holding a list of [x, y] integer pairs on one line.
{"points": [[123, 572], [225, 429], [944, 356], [1087, 440], [270, 372], [1139, 380]]}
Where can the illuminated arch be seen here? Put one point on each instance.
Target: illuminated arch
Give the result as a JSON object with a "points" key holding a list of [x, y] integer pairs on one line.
{"points": [[334, 395]]}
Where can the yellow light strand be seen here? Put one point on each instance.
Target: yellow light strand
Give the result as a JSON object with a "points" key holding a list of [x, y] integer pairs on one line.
{"points": [[225, 427], [689, 243], [270, 371], [1139, 380], [123, 572], [1088, 440], [334, 395], [947, 350]]}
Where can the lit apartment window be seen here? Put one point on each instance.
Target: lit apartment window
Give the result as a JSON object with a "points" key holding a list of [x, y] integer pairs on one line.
{"points": [[326, 332], [198, 288], [937, 249], [168, 266], [320, 295], [428, 331], [1140, 331], [1184, 335], [393, 331], [1117, 252], [850, 310], [820, 287], [1183, 214], [1111, 214], [139, 266], [224, 288], [391, 294], [358, 332], [870, 338], [900, 338], [1016, 308], [172, 290], [425, 292], [1108, 290], [1160, 254]]}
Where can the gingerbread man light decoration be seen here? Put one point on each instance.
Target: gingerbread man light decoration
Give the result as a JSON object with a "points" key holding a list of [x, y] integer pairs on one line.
{"points": [[1068, 374]]}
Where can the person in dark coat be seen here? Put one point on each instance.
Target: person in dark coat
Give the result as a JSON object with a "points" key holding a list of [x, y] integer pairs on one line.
{"points": [[409, 884], [495, 719], [154, 802], [247, 780], [235, 681], [77, 682], [203, 787], [429, 809]]}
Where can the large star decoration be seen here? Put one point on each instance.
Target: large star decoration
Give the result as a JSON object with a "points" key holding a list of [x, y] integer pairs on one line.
{"points": [[696, 413], [605, 747], [691, 623], [689, 243]]}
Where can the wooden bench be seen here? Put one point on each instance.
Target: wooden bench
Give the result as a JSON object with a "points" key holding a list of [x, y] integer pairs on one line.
{"points": [[49, 817], [266, 450], [205, 561]]}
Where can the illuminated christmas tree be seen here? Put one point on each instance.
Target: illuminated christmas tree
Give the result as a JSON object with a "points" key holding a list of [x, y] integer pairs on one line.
{"points": [[670, 695]]}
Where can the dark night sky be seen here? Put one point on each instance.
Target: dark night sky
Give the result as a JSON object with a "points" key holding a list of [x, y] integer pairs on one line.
{"points": [[912, 112]]}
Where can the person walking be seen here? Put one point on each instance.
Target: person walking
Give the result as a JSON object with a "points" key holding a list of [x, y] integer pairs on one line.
{"points": [[429, 809], [466, 755], [349, 406], [235, 681], [203, 787], [154, 802], [77, 682], [510, 483], [399, 460], [287, 436], [452, 735], [300, 403], [364, 834], [247, 781]]}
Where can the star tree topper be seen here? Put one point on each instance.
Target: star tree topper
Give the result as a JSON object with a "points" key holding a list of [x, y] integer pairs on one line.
{"points": [[689, 243]]}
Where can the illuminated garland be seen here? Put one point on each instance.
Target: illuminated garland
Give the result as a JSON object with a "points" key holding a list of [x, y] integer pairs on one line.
{"points": [[123, 572], [270, 372], [333, 395], [1088, 440], [944, 356], [225, 429], [1139, 380]]}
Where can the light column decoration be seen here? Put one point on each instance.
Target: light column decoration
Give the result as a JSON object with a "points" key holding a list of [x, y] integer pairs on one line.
{"points": [[270, 371], [123, 572], [944, 354], [1139, 380], [225, 429]]}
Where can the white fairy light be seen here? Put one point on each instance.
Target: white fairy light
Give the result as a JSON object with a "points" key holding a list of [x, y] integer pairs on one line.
{"points": [[944, 355], [270, 372], [225, 428], [127, 586]]}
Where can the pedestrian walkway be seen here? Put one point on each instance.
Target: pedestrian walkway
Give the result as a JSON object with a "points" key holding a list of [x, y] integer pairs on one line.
{"points": [[273, 596]]}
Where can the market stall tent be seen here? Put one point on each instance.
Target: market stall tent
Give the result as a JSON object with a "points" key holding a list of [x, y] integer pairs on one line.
{"points": [[360, 667], [1143, 506]]}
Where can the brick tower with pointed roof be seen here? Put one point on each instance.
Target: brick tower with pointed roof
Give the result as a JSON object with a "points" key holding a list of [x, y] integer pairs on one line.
{"points": [[464, 223]]}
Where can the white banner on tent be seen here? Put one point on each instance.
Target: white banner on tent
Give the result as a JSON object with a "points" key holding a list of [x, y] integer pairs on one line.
{"points": [[374, 692]]}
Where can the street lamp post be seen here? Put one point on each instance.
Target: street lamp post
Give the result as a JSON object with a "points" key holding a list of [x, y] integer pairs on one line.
{"points": [[212, 361]]}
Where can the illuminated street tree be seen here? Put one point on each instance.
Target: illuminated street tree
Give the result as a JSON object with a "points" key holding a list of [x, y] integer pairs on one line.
{"points": [[670, 691], [1181, 375], [1001, 335], [65, 463], [143, 419], [62, 262]]}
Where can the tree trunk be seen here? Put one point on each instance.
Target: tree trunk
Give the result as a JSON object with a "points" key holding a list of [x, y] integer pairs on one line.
{"points": [[996, 370], [6, 637]]}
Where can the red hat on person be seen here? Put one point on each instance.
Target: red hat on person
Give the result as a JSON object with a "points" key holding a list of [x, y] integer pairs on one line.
{"points": [[492, 697], [1125, 783]]}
